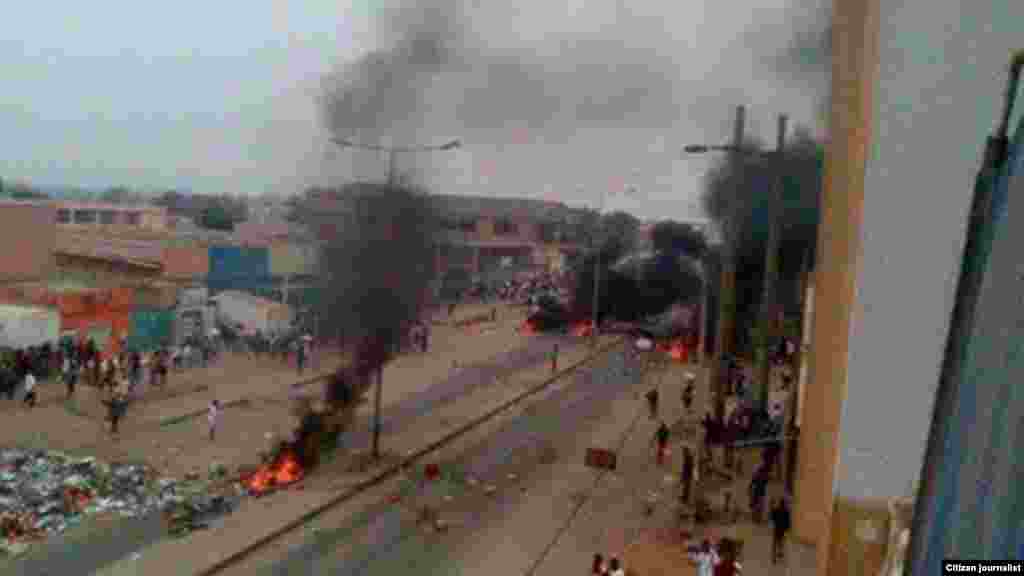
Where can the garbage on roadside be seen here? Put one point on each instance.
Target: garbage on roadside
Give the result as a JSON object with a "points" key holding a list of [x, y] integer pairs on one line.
{"points": [[46, 492]]}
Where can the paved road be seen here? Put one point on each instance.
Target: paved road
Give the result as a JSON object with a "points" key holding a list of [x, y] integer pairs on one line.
{"points": [[86, 551], [414, 406], [382, 540]]}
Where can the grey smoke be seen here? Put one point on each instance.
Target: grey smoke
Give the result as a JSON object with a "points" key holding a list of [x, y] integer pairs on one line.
{"points": [[595, 102]]}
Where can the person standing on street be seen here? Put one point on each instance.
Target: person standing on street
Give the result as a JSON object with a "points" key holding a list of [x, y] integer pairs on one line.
{"points": [[652, 402], [67, 374], [687, 476], [300, 356], [116, 407], [758, 489], [661, 437], [30, 389], [780, 526], [212, 416], [688, 393]]}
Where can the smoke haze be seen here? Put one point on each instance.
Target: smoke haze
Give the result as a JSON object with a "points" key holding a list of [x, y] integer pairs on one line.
{"points": [[598, 101]]}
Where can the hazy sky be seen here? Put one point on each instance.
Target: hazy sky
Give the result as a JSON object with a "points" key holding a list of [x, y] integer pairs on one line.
{"points": [[564, 103]]}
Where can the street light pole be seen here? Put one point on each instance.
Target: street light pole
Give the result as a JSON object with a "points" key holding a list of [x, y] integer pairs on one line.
{"points": [[727, 295], [771, 266], [392, 179], [597, 273]]}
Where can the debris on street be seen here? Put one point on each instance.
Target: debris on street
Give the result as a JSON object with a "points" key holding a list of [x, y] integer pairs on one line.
{"points": [[45, 492]]}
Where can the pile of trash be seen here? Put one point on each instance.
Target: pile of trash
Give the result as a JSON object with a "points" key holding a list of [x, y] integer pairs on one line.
{"points": [[44, 492]]}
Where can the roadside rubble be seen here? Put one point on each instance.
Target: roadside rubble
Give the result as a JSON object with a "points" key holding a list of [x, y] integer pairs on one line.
{"points": [[45, 492]]}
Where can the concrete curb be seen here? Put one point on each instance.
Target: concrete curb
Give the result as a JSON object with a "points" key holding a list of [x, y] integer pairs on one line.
{"points": [[393, 470]]}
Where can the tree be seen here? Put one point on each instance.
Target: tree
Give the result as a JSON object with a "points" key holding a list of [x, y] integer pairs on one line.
{"points": [[120, 195], [216, 217], [744, 183], [23, 191], [377, 268]]}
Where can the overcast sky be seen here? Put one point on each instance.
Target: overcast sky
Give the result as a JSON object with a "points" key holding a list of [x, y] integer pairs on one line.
{"points": [[565, 103]]}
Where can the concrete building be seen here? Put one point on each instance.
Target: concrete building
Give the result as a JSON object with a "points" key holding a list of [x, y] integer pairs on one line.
{"points": [[914, 99], [99, 215], [28, 233], [483, 236]]}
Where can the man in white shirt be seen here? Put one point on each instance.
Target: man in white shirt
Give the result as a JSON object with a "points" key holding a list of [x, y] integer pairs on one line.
{"points": [[30, 389]]}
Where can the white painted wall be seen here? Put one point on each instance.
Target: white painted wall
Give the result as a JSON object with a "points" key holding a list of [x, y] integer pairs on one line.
{"points": [[942, 75]]}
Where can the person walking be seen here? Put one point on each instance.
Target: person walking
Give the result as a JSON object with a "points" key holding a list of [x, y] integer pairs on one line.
{"points": [[689, 463], [300, 355], [116, 407], [688, 393], [598, 568], [780, 527], [212, 416], [67, 374], [30, 389], [661, 437], [615, 568], [652, 402], [758, 489], [554, 359]]}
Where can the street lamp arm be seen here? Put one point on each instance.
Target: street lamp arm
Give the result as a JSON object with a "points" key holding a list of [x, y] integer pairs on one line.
{"points": [[704, 149], [441, 147]]}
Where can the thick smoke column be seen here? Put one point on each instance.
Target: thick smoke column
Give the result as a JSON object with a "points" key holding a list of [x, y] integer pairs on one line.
{"points": [[808, 58], [548, 99]]}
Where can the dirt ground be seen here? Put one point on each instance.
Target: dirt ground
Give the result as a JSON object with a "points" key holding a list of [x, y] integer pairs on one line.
{"points": [[167, 428]]}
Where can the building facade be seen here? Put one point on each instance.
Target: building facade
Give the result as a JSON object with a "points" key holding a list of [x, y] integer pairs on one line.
{"points": [[28, 231], [100, 215], [914, 100]]}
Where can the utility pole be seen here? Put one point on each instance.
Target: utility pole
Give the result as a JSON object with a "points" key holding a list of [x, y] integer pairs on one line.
{"points": [[790, 425], [597, 285], [392, 180], [727, 297], [769, 298], [378, 392]]}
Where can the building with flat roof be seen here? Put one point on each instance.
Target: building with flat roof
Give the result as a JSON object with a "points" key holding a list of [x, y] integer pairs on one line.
{"points": [[101, 215]]}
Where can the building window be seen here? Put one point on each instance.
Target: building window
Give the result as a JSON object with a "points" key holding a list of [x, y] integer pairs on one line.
{"points": [[63, 216], [132, 218], [108, 217], [505, 227], [85, 216]]}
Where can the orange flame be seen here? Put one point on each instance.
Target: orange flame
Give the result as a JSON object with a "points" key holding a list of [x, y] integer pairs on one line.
{"points": [[583, 329], [677, 351], [283, 471]]}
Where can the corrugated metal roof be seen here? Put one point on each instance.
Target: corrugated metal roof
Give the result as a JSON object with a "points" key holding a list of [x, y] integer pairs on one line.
{"points": [[135, 251]]}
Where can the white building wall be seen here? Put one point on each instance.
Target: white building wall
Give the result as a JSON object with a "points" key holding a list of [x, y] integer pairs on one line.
{"points": [[940, 88]]}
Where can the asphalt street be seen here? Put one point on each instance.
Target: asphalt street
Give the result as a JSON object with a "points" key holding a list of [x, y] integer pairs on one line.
{"points": [[383, 541]]}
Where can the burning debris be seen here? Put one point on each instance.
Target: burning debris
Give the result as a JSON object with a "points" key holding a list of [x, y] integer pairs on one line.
{"points": [[284, 469], [583, 329]]}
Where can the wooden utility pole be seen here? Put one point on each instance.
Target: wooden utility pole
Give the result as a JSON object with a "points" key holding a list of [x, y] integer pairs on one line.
{"points": [[727, 297], [769, 300]]}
